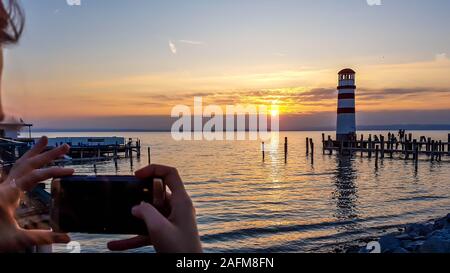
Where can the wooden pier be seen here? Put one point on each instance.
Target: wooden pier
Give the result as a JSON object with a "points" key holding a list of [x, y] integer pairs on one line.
{"points": [[11, 150], [379, 146]]}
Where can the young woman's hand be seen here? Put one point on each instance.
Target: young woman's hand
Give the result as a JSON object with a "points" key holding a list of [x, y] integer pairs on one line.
{"points": [[176, 234], [26, 173]]}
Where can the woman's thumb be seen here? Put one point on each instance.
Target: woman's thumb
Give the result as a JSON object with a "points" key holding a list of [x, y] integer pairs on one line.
{"points": [[155, 221]]}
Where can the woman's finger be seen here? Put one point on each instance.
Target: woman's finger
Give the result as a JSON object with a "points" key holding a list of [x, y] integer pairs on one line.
{"points": [[155, 221], [37, 149], [169, 175], [46, 158], [42, 237], [132, 243], [29, 181]]}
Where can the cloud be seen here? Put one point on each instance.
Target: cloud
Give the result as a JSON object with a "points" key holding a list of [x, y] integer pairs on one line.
{"points": [[172, 47], [441, 57], [191, 42]]}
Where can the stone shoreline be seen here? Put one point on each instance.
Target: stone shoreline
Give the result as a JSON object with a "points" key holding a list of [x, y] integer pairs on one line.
{"points": [[429, 237]]}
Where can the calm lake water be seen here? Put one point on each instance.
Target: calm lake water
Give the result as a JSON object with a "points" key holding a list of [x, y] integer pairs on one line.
{"points": [[246, 205]]}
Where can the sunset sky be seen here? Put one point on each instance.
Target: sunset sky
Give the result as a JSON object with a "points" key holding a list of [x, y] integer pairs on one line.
{"points": [[119, 58]]}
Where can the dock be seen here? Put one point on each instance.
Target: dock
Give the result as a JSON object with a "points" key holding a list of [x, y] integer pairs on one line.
{"points": [[380, 146], [83, 149]]}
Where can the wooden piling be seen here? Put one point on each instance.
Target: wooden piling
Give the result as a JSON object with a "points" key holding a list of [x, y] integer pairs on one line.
{"points": [[414, 148], [440, 150], [370, 146], [307, 146], [138, 148], [406, 149], [377, 151], [361, 145], [323, 143], [149, 153], [330, 145], [432, 150], [416, 157], [285, 149], [312, 152], [382, 146], [130, 149], [448, 145]]}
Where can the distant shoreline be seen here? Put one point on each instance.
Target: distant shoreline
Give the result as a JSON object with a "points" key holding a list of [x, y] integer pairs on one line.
{"points": [[40, 130]]}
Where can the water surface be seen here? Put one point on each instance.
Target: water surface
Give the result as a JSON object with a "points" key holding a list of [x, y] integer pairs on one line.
{"points": [[247, 205]]}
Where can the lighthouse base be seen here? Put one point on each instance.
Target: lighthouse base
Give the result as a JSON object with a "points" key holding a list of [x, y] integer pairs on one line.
{"points": [[346, 137]]}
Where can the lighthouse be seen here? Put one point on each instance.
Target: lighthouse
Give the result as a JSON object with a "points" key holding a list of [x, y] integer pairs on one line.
{"points": [[346, 120]]}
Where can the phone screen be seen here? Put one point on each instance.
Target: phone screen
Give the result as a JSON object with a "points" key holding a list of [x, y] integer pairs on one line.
{"points": [[101, 204]]}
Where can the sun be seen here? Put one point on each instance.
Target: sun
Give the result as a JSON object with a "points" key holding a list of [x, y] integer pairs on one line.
{"points": [[274, 112]]}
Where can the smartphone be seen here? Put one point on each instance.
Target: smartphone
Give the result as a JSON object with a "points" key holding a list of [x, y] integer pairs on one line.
{"points": [[102, 204]]}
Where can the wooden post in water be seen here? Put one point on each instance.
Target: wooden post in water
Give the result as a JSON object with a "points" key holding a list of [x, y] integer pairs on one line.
{"points": [[448, 145], [416, 157], [361, 145], [377, 151], [307, 146], [370, 146], [263, 148], [391, 149], [432, 150], [138, 148], [382, 146], [323, 143], [440, 150], [312, 152], [285, 149], [330, 145], [130, 148], [149, 152], [406, 149]]}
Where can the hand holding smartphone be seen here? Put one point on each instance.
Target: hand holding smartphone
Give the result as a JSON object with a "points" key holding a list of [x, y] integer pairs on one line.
{"points": [[102, 204]]}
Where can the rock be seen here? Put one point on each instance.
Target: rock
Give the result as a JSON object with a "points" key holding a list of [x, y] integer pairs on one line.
{"points": [[439, 242], [416, 230], [440, 224], [389, 243], [448, 218]]}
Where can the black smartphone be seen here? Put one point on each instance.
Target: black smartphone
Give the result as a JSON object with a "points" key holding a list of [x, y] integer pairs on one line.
{"points": [[102, 204]]}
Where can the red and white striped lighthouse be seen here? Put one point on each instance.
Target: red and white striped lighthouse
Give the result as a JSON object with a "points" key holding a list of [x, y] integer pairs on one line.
{"points": [[346, 120]]}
